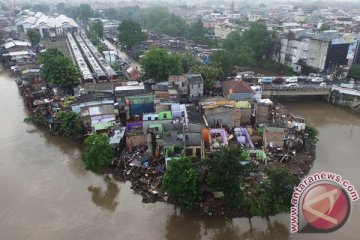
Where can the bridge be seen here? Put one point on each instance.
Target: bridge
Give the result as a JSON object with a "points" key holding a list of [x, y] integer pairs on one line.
{"points": [[301, 90]]}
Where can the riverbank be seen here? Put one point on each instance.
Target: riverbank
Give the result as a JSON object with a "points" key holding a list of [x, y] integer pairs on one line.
{"points": [[146, 181]]}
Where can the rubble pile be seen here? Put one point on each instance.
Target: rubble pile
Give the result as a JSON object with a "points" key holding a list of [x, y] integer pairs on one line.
{"points": [[144, 172]]}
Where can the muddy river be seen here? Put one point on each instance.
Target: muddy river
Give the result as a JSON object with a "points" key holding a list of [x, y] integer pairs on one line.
{"points": [[47, 194]]}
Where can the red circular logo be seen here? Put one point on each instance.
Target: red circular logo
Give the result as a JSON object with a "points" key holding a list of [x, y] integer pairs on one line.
{"points": [[326, 206]]}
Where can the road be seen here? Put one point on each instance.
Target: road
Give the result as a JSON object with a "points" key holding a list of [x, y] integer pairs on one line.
{"points": [[123, 55]]}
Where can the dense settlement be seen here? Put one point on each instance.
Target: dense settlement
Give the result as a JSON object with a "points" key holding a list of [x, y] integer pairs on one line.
{"points": [[220, 148]]}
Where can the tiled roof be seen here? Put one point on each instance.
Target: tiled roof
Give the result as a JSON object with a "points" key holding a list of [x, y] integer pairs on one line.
{"points": [[233, 86]]}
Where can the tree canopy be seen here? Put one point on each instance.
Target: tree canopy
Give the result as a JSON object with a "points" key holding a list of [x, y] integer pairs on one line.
{"points": [[34, 36], [159, 19], [98, 152], [97, 29], [58, 69], [68, 124], [209, 73], [253, 48], [41, 8], [85, 11], [159, 64], [224, 171], [181, 180], [130, 33], [60, 7], [197, 31], [279, 189], [354, 71], [312, 131]]}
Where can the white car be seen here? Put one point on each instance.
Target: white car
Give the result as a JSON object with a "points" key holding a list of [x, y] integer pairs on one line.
{"points": [[317, 80], [323, 84], [291, 80], [292, 85]]}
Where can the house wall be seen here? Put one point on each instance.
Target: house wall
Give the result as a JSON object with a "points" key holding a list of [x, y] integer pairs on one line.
{"points": [[262, 113], [317, 53], [245, 117], [240, 96], [147, 123], [222, 32], [273, 135], [292, 51], [196, 90], [135, 140], [162, 94], [179, 81], [230, 117]]}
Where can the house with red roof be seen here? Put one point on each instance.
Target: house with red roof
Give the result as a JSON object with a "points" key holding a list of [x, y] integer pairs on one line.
{"points": [[237, 90]]}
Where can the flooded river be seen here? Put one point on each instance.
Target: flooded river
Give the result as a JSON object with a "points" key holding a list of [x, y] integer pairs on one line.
{"points": [[47, 194]]}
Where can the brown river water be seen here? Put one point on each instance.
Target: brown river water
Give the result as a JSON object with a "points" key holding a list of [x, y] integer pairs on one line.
{"points": [[45, 193]]}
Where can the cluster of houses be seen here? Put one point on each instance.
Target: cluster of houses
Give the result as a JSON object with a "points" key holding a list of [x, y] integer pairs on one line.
{"points": [[313, 38], [174, 118]]}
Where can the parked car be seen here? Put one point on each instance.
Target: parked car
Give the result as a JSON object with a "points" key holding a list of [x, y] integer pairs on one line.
{"points": [[278, 80], [317, 80], [292, 85], [323, 84], [291, 80], [265, 80]]}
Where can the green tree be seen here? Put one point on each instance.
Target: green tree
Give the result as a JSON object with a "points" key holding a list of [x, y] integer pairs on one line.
{"points": [[26, 6], [324, 27], [58, 69], [159, 19], [224, 173], [232, 41], [41, 8], [260, 40], [98, 152], [112, 14], [227, 59], [68, 124], [35, 119], [312, 131], [181, 180], [279, 188], [130, 33], [97, 29], [60, 7], [85, 12], [159, 64], [354, 71], [188, 61], [209, 73], [197, 31], [34, 36], [5, 8]]}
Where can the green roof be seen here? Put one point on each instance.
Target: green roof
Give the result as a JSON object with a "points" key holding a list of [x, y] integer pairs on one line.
{"points": [[157, 125], [242, 104], [103, 126], [163, 113]]}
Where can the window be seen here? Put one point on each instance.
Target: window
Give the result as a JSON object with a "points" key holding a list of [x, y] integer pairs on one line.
{"points": [[182, 114], [156, 118], [189, 152], [149, 118], [165, 115], [198, 152], [183, 84]]}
